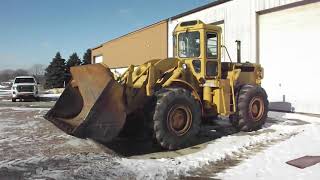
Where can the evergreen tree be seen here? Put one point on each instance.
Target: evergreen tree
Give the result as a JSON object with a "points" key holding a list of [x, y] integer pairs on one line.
{"points": [[73, 60], [55, 72], [87, 57]]}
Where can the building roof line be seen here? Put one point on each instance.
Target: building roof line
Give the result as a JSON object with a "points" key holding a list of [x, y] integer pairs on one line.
{"points": [[215, 3]]}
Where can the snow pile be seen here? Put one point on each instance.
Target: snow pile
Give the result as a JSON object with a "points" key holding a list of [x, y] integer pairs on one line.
{"points": [[5, 90], [270, 164], [5, 93], [49, 95], [54, 91], [226, 147], [3, 87]]}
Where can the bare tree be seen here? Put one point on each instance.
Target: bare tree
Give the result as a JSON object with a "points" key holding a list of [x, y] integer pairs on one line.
{"points": [[8, 74], [37, 70], [21, 72]]}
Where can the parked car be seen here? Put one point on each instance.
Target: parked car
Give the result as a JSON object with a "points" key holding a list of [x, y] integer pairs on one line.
{"points": [[25, 87]]}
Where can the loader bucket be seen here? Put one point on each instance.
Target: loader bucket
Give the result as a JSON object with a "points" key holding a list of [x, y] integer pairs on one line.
{"points": [[91, 106]]}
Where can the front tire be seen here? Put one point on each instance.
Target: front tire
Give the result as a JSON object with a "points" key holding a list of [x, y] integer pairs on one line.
{"points": [[13, 100], [252, 108], [177, 118]]}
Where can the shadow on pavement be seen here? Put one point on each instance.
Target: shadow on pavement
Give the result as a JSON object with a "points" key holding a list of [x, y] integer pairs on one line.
{"points": [[141, 146], [130, 147]]}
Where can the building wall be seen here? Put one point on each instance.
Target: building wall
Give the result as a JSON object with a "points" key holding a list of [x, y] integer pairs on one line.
{"points": [[136, 47], [240, 23]]}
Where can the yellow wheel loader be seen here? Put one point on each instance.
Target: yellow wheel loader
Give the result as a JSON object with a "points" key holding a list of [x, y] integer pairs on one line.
{"points": [[168, 97]]}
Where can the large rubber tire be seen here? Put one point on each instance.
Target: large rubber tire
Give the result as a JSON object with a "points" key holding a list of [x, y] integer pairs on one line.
{"points": [[14, 100], [252, 108], [177, 118]]}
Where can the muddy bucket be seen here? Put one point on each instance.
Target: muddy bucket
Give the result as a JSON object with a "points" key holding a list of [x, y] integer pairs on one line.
{"points": [[91, 106]]}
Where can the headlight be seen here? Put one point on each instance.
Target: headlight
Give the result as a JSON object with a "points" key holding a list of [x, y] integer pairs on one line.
{"points": [[184, 66]]}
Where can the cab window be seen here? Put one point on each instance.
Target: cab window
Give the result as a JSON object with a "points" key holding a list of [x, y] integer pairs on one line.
{"points": [[189, 44], [212, 45]]}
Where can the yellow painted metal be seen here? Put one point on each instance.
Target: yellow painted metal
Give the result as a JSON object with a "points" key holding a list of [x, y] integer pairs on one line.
{"points": [[184, 84], [221, 97], [207, 96], [233, 76]]}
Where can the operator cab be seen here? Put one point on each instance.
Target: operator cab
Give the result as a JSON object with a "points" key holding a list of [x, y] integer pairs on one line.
{"points": [[198, 45]]}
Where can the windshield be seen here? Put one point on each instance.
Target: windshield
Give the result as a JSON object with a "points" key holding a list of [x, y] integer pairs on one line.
{"points": [[24, 80], [189, 44]]}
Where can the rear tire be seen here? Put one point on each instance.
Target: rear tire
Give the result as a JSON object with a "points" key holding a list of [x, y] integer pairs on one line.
{"points": [[252, 108], [14, 100], [177, 118]]}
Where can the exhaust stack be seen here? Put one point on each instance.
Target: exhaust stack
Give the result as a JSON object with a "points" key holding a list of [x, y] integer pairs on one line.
{"points": [[238, 51]]}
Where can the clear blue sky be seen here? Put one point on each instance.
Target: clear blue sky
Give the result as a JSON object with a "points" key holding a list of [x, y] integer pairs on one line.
{"points": [[32, 31]]}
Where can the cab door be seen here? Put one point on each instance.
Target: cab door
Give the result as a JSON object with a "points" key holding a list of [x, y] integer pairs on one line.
{"points": [[221, 89], [212, 44]]}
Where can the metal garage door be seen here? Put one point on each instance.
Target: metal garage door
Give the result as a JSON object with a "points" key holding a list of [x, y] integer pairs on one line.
{"points": [[289, 42]]}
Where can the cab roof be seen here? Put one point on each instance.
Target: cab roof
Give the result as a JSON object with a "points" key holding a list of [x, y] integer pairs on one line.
{"points": [[195, 25]]}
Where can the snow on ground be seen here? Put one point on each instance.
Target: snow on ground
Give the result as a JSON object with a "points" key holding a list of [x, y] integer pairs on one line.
{"points": [[303, 134], [54, 91], [270, 164], [49, 95], [32, 148], [39, 111], [3, 87], [5, 93]]}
